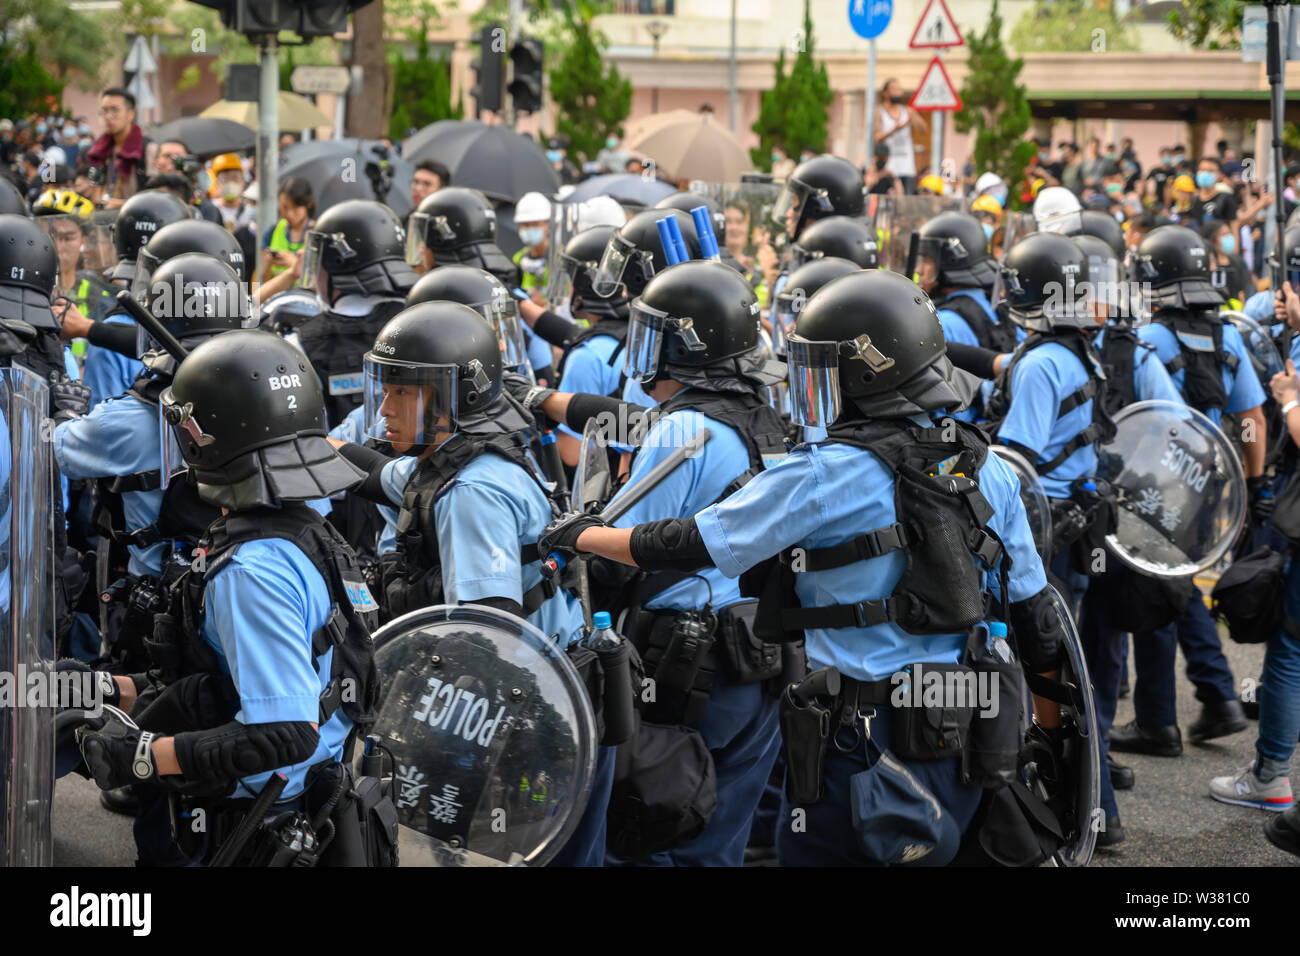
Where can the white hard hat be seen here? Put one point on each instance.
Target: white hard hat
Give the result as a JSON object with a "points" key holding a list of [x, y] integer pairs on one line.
{"points": [[533, 207], [54, 156], [1057, 210], [600, 211], [987, 181]]}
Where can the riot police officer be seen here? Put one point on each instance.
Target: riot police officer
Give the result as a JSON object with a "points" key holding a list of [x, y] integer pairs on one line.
{"points": [[195, 297], [1098, 224], [354, 259], [820, 187], [954, 266], [1209, 364], [688, 201], [874, 598], [265, 634]]}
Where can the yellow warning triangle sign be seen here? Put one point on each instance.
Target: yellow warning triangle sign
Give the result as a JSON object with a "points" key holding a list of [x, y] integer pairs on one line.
{"points": [[936, 91]]}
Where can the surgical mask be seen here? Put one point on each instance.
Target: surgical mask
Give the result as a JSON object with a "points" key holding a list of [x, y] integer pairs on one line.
{"points": [[1114, 189], [1129, 167], [84, 129], [1111, 154], [554, 155], [40, 129], [776, 157], [86, 142], [205, 181], [532, 235], [1228, 243], [1179, 157], [1000, 194], [1167, 160], [70, 134], [1204, 179], [988, 230], [610, 142]]}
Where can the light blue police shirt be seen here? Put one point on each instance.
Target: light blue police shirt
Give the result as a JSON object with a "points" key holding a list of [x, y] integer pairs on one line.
{"points": [[824, 495], [483, 520], [1242, 386], [955, 327], [108, 373], [261, 610], [692, 487], [587, 370], [1151, 382], [119, 436], [1044, 378], [1260, 308], [6, 507], [539, 350]]}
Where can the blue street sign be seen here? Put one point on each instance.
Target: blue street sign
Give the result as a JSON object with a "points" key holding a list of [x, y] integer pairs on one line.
{"points": [[870, 17]]}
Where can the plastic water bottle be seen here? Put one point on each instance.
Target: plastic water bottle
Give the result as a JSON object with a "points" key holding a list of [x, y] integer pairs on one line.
{"points": [[614, 654], [998, 639], [603, 636]]}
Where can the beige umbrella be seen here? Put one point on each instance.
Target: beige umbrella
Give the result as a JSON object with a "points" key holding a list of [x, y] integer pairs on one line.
{"points": [[688, 145], [296, 113]]}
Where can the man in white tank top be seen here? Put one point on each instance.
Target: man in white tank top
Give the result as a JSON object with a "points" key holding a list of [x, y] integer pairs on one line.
{"points": [[894, 121]]}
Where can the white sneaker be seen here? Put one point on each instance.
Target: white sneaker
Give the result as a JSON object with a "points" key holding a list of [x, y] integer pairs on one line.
{"points": [[1244, 789]]}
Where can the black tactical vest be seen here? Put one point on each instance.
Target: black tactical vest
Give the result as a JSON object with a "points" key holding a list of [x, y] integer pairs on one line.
{"points": [[336, 345], [990, 331], [1121, 350], [177, 648], [615, 329], [1201, 356]]}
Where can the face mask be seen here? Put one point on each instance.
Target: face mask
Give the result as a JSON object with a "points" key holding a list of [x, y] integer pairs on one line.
{"points": [[554, 155], [1129, 167], [1000, 194], [40, 129], [611, 142], [1114, 189], [532, 235], [1167, 160], [1179, 157], [899, 100], [1044, 155], [205, 181], [84, 129], [1228, 243], [1204, 179], [1111, 154], [988, 230], [776, 157]]}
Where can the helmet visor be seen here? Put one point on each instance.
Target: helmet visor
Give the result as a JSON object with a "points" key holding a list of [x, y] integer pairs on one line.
{"points": [[408, 403], [560, 288], [145, 264], [502, 313], [795, 195], [609, 273], [799, 256], [314, 246], [1103, 285], [814, 375], [185, 429], [647, 328], [423, 225], [784, 311], [172, 460], [67, 236]]}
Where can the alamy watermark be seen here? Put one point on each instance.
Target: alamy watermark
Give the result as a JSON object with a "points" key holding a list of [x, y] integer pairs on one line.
{"points": [[63, 690], [1083, 299]]}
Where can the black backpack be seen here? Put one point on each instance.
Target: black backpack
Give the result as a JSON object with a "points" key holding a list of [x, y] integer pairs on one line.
{"points": [[1248, 597]]}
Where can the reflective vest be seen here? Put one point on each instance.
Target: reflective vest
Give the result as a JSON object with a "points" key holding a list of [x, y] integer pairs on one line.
{"points": [[280, 242]]}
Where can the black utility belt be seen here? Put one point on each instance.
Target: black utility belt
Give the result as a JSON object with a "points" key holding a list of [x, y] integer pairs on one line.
{"points": [[677, 645]]}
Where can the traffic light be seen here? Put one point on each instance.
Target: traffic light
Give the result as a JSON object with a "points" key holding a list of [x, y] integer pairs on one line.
{"points": [[526, 85], [307, 18], [488, 69]]}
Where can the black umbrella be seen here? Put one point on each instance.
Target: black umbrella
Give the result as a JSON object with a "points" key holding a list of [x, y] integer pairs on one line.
{"points": [[495, 160], [340, 169], [205, 137]]}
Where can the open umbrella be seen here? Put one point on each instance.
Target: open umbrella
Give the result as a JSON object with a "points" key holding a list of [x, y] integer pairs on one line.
{"points": [[296, 113], [340, 169], [689, 145], [622, 186], [206, 137], [495, 160]]}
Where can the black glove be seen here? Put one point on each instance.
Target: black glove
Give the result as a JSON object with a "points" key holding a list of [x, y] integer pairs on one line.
{"points": [[108, 745], [1259, 492], [525, 391], [109, 693], [562, 535], [68, 399]]}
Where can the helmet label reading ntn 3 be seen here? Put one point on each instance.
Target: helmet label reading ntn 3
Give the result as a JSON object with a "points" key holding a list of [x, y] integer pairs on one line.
{"points": [[346, 383]]}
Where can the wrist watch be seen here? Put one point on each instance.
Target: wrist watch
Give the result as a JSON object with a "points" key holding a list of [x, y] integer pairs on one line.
{"points": [[142, 762]]}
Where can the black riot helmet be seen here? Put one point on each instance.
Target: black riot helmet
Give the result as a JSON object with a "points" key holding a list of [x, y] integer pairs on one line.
{"points": [[195, 297], [448, 219], [837, 236], [12, 202], [248, 418], [691, 315], [485, 294], [1104, 227], [138, 221], [29, 271], [1103, 274], [870, 341], [435, 368], [635, 253], [1177, 264], [1042, 277], [179, 238], [800, 286], [359, 245], [820, 187], [960, 250], [686, 201], [572, 274]]}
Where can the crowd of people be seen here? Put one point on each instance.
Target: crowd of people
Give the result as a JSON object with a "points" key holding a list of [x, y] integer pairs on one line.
{"points": [[300, 424]]}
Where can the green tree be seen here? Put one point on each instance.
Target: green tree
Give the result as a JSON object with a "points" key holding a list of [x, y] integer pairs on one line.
{"points": [[44, 44], [25, 86], [792, 114], [592, 97], [421, 90], [1071, 26], [995, 106], [1208, 24]]}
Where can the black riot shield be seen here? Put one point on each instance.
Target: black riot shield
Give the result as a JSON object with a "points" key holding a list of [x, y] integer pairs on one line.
{"points": [[492, 733], [26, 620]]}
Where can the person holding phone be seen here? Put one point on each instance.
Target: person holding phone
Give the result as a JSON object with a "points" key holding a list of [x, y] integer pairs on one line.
{"points": [[283, 242]]}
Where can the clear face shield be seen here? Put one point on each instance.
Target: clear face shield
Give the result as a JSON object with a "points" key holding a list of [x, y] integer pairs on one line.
{"points": [[314, 247], [408, 404], [1106, 292], [502, 313], [609, 273], [785, 310], [188, 437], [68, 237], [172, 460], [560, 287], [646, 330], [814, 376], [800, 256], [424, 224], [794, 197]]}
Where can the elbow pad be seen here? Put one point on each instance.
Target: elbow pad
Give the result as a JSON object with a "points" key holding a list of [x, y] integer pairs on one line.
{"points": [[584, 406], [555, 330], [1040, 632], [236, 750], [372, 462], [673, 544]]}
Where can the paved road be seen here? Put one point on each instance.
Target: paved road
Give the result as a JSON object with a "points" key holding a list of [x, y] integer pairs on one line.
{"points": [[1169, 817]]}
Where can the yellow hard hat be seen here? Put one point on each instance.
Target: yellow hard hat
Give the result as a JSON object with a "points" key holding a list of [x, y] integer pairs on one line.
{"points": [[225, 162], [933, 182], [63, 202], [1185, 183], [987, 204]]}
